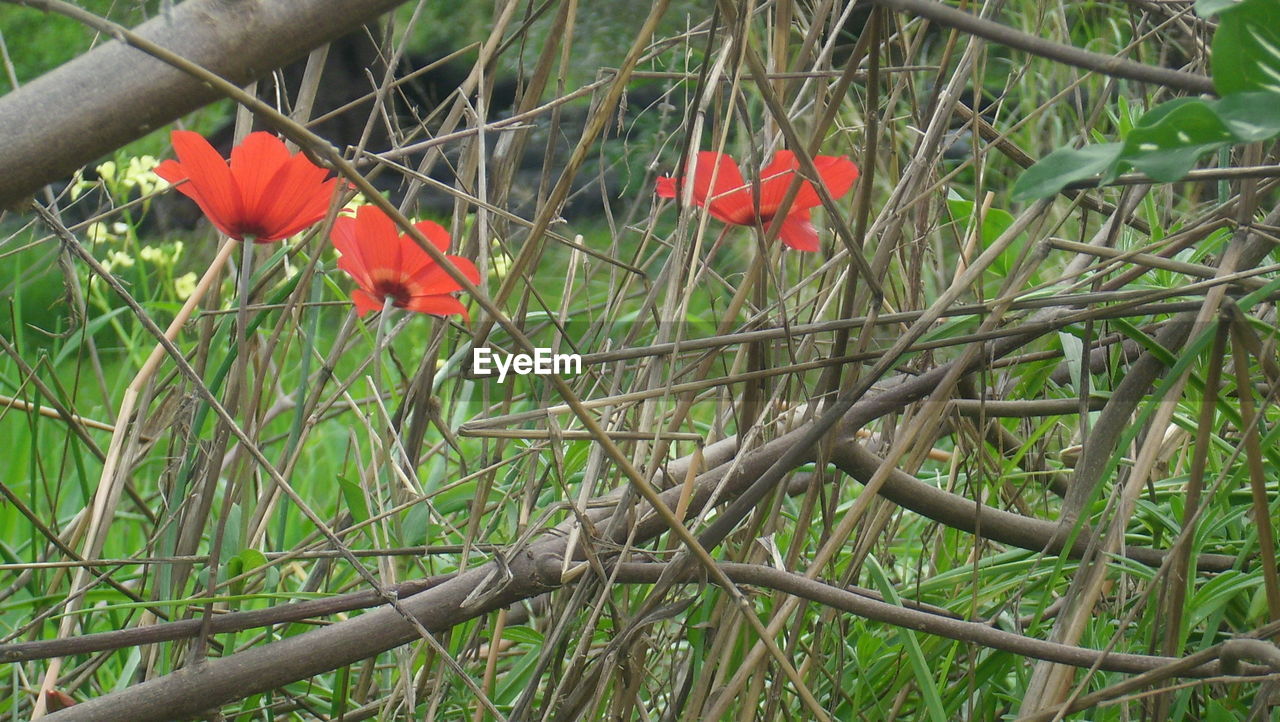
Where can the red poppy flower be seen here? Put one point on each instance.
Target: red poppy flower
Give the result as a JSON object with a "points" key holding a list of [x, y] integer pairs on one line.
{"points": [[266, 193], [732, 200], [57, 700], [386, 265]]}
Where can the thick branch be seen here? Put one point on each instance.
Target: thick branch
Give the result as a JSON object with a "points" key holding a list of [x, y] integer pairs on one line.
{"points": [[230, 622], [114, 94]]}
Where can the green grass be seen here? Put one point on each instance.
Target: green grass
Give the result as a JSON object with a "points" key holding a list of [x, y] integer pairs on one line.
{"points": [[326, 408]]}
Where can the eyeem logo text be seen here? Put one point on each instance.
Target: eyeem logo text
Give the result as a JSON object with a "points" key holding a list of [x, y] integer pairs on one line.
{"points": [[542, 362]]}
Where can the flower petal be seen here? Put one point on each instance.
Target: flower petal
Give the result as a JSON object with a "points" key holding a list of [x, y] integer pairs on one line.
{"points": [[837, 173], [437, 305], [435, 233], [666, 187], [415, 260], [726, 196], [295, 197], [737, 208], [172, 171], [344, 239], [798, 232], [378, 243], [316, 208], [212, 186], [253, 164], [365, 302], [383, 262], [776, 178], [434, 279], [343, 235], [718, 185], [715, 174]]}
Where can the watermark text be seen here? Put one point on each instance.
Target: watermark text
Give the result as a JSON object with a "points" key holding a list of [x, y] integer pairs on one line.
{"points": [[542, 362]]}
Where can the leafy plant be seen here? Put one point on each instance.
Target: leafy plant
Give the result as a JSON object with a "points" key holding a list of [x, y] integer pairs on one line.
{"points": [[1171, 138]]}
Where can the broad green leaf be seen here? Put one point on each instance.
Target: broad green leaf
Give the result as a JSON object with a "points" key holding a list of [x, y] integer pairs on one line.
{"points": [[1064, 165], [1246, 47], [1250, 116], [253, 559], [1169, 147], [994, 223], [523, 635], [1165, 144], [1207, 8], [242, 562], [1160, 112], [455, 499], [418, 525]]}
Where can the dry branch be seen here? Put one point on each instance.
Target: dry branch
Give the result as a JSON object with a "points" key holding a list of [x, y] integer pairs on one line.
{"points": [[533, 570], [958, 629], [737, 480], [115, 94], [1066, 54]]}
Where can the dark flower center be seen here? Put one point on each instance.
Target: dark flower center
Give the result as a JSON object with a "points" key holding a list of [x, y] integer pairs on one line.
{"points": [[395, 290], [250, 228]]}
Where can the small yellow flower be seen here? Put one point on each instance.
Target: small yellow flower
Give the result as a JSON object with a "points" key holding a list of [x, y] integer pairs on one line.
{"points": [[141, 175], [117, 259], [499, 262], [501, 265], [98, 232], [165, 254], [107, 172], [80, 185], [184, 285]]}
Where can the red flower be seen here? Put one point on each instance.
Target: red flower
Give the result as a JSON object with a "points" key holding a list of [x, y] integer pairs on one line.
{"points": [[388, 265], [57, 700], [732, 200], [266, 193]]}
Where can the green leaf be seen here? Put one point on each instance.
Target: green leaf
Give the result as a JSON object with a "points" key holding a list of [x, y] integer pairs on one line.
{"points": [[418, 525], [523, 635], [456, 499], [1207, 8], [1169, 147], [1165, 143], [1073, 353], [240, 563], [1246, 47], [1250, 117], [252, 559], [1065, 165], [1160, 112], [925, 681], [354, 497], [994, 223]]}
